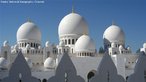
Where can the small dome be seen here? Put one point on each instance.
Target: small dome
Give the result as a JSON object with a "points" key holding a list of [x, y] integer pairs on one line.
{"points": [[85, 44], [6, 43], [61, 43], [29, 62], [144, 45], [114, 34], [121, 47], [47, 44], [73, 24], [3, 62], [28, 31], [39, 47], [128, 48], [49, 63]]}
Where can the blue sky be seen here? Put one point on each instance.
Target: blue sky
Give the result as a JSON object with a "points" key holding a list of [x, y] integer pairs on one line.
{"points": [[130, 15]]}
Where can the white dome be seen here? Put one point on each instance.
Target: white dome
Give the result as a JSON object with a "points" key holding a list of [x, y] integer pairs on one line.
{"points": [[114, 34], [29, 62], [128, 48], [3, 62], [6, 43], [28, 31], [85, 44], [72, 24], [49, 63], [47, 44]]}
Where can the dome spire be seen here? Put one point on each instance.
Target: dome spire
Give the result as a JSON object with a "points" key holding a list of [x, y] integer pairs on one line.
{"points": [[73, 11], [113, 22], [29, 20]]}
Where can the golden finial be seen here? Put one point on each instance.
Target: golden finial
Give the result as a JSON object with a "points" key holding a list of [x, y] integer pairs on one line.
{"points": [[113, 23], [73, 11], [29, 20]]}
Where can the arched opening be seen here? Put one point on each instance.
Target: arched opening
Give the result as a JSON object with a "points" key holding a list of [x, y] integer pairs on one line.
{"points": [[48, 54], [5, 54], [37, 64], [87, 54], [82, 54], [68, 50], [72, 50], [36, 45], [91, 74], [27, 51], [31, 44], [25, 44], [65, 41], [115, 52], [116, 45], [44, 80], [68, 41], [20, 77], [22, 44], [73, 41], [64, 50], [127, 78], [66, 77], [122, 52], [38, 51]]}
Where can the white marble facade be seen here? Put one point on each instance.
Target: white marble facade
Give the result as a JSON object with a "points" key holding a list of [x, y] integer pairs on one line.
{"points": [[74, 40]]}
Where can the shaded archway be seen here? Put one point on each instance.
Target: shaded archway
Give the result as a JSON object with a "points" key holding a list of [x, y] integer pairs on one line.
{"points": [[127, 78], [20, 77], [91, 74], [44, 80]]}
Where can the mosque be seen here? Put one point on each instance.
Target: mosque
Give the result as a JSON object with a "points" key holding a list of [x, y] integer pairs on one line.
{"points": [[74, 40]]}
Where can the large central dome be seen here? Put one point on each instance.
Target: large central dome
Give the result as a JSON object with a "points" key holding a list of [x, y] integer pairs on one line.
{"points": [[28, 31], [73, 24]]}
